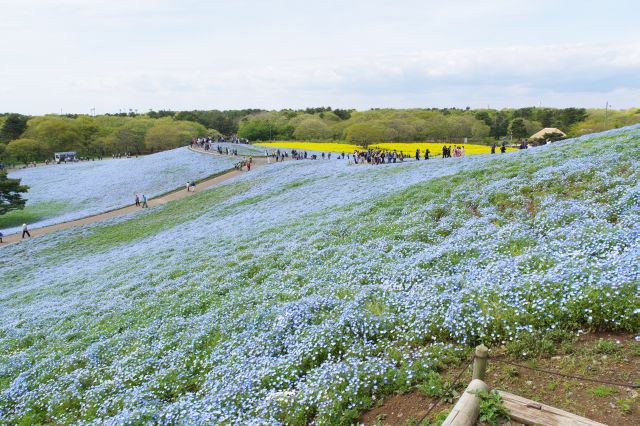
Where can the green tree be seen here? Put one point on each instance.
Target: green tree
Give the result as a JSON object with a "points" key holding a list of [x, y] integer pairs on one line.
{"points": [[518, 128], [500, 124], [166, 136], [311, 129], [131, 136], [266, 126], [57, 133], [10, 190], [365, 133], [13, 127], [343, 114], [26, 150]]}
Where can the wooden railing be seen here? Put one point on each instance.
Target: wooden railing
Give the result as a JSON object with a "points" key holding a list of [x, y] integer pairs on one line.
{"points": [[522, 410]]}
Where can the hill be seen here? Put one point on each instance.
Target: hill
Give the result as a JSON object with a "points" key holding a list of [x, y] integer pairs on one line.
{"points": [[60, 193], [308, 289]]}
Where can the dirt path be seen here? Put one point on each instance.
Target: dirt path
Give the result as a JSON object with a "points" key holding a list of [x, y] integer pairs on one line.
{"points": [[176, 194]]}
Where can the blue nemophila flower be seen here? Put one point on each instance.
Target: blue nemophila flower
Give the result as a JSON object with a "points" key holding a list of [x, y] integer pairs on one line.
{"points": [[312, 287]]}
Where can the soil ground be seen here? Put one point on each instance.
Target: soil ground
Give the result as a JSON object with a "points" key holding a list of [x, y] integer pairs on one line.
{"points": [[603, 356]]}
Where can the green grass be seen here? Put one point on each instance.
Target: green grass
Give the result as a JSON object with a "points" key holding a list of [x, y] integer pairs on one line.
{"points": [[33, 213], [602, 391]]}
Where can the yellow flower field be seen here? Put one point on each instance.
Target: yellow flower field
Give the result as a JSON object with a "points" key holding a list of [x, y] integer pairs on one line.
{"points": [[312, 146], [408, 148]]}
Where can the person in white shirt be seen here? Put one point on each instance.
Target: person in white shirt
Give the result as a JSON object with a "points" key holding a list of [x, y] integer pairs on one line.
{"points": [[25, 230]]}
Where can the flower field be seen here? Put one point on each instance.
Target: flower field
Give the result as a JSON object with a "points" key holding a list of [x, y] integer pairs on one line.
{"points": [[308, 290], [312, 146], [435, 148], [408, 148], [59, 193]]}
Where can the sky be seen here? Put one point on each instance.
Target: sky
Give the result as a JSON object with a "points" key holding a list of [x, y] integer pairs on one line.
{"points": [[73, 56]]}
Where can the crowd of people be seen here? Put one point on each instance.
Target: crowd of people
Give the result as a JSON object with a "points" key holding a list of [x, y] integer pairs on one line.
{"points": [[240, 165], [376, 156], [456, 151], [207, 143], [281, 155]]}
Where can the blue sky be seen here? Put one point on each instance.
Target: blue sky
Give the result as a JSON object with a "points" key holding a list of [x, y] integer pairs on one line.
{"points": [[74, 55]]}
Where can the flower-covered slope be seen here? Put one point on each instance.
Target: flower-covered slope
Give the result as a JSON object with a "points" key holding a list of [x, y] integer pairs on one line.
{"points": [[60, 193], [306, 290]]}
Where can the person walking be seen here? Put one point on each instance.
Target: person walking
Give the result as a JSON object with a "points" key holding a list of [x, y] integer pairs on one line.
{"points": [[144, 201], [137, 200], [417, 154], [25, 231]]}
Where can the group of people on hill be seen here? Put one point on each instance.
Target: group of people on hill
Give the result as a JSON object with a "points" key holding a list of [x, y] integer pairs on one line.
{"points": [[207, 142], [244, 163], [503, 148], [280, 155], [376, 156], [457, 151], [225, 151]]}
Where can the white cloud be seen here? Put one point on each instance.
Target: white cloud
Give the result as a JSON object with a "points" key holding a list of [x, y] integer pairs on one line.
{"points": [[170, 54]]}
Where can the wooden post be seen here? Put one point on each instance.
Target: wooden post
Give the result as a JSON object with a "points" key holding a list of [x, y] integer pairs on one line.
{"points": [[467, 409], [480, 362]]}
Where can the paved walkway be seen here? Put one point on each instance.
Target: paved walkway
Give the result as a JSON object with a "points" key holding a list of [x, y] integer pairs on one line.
{"points": [[162, 199]]}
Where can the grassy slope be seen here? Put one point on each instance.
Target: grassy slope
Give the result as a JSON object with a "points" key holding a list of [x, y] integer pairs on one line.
{"points": [[406, 265], [33, 213]]}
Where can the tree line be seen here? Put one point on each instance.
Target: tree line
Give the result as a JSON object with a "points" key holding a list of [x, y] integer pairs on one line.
{"points": [[26, 138], [406, 125]]}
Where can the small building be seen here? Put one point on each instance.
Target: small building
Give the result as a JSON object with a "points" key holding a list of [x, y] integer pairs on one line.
{"points": [[551, 131], [63, 157]]}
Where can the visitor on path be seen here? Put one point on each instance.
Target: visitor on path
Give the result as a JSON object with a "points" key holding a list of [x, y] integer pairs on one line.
{"points": [[137, 200], [25, 231], [493, 148], [1, 235], [417, 154], [193, 186], [188, 186], [426, 154], [144, 201], [248, 166]]}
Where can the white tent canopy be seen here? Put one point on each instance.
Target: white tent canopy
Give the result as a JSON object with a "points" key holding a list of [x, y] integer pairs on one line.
{"points": [[541, 134]]}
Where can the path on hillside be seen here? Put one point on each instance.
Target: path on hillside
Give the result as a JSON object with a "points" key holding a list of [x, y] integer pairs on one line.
{"points": [[176, 194]]}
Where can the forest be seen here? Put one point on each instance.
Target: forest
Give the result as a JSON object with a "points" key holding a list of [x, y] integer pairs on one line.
{"points": [[25, 138]]}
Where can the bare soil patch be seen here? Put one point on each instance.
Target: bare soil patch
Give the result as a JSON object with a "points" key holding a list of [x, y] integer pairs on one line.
{"points": [[607, 357]]}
